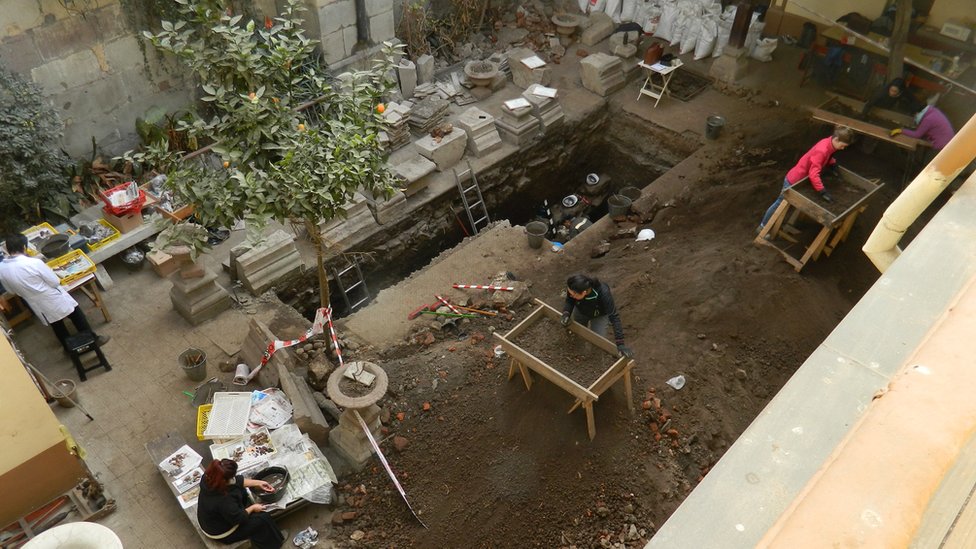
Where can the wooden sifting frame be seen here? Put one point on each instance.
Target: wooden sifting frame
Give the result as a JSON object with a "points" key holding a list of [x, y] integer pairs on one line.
{"points": [[524, 362]]}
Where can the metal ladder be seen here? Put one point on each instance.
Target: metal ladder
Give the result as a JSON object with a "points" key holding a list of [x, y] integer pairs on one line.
{"points": [[354, 273], [469, 206]]}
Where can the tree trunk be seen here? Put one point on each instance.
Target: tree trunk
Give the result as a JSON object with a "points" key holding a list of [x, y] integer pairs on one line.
{"points": [[313, 233], [899, 36]]}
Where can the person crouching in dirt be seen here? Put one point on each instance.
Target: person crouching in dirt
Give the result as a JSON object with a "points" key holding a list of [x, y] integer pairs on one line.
{"points": [[817, 160], [589, 302]]}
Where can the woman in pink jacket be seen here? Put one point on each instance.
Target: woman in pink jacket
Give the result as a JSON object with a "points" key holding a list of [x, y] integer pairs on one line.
{"points": [[811, 165], [933, 126]]}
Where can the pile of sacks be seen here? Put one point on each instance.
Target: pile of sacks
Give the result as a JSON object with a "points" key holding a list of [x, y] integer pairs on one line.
{"points": [[699, 26]]}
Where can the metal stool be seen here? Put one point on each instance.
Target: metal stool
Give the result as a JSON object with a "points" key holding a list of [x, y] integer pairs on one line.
{"points": [[81, 344]]}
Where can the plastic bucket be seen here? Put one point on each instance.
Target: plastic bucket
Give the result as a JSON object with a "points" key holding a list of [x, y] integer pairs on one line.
{"points": [[618, 205], [713, 126], [536, 231], [633, 193], [194, 364], [64, 393]]}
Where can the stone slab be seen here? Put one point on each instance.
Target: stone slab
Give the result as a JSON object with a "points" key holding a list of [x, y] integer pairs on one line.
{"points": [[445, 154], [601, 26], [307, 414], [407, 74], [412, 168], [425, 69]]}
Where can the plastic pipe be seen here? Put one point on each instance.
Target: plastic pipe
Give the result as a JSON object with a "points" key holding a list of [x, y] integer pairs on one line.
{"points": [[882, 246]]}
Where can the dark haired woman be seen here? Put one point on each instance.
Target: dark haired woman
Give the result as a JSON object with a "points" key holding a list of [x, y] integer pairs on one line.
{"points": [[589, 302], [222, 512]]}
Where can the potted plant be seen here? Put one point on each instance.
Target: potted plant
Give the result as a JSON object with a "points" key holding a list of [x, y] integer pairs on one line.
{"points": [[185, 242]]}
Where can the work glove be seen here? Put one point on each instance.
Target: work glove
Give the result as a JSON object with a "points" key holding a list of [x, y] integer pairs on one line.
{"points": [[565, 319], [895, 132], [624, 350], [832, 170], [826, 197]]}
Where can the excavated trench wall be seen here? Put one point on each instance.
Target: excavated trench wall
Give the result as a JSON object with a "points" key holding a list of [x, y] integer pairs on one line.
{"points": [[632, 152]]}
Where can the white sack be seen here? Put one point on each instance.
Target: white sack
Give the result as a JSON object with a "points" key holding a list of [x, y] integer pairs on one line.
{"points": [[629, 10], [724, 31], [755, 31], [690, 37], [764, 49], [665, 25], [597, 5], [707, 38], [613, 10]]}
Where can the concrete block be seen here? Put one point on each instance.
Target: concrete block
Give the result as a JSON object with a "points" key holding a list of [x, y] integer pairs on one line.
{"points": [[381, 27], [198, 299], [407, 74], [64, 37], [19, 55], [333, 47], [265, 265], [18, 16], [445, 154], [601, 73], [425, 69], [337, 15], [480, 128], [61, 74], [350, 37], [625, 51], [601, 26]]}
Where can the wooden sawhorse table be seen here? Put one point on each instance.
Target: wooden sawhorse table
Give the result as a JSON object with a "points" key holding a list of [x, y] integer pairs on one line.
{"points": [[652, 89]]}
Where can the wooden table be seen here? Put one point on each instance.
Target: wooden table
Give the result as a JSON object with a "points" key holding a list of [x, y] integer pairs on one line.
{"points": [[144, 232], [523, 361], [17, 308], [652, 89], [782, 223]]}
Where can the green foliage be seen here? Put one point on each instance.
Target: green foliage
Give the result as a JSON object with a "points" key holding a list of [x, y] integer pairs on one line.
{"points": [[32, 164], [191, 235], [274, 163]]}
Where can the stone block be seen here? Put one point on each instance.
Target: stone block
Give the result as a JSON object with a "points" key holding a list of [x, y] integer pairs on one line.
{"points": [[389, 210], [198, 299], [333, 47], [522, 75], [349, 440], [252, 352], [413, 169], [602, 73], [18, 54], [307, 415], [18, 16], [68, 72], [425, 69], [123, 54], [479, 126], [267, 264], [64, 37], [407, 74], [620, 38], [601, 26], [625, 51], [445, 154], [350, 37], [337, 15], [381, 27], [376, 7]]}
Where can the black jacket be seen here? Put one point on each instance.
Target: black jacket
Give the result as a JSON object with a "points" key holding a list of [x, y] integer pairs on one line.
{"points": [[218, 512], [904, 103], [598, 302]]}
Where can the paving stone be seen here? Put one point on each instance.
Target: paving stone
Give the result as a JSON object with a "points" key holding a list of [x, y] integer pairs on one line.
{"points": [[445, 154]]}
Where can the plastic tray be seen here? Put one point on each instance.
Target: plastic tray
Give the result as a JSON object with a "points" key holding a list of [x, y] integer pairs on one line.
{"points": [[228, 417], [203, 417], [83, 266], [125, 209], [33, 235], [108, 239]]}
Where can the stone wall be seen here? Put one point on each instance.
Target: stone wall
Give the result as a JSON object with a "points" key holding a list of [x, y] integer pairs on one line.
{"points": [[100, 74]]}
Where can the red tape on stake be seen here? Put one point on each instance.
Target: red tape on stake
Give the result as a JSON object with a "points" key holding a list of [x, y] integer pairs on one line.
{"points": [[318, 326], [386, 465]]}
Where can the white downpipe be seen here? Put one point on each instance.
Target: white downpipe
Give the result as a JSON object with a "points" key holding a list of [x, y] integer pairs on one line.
{"points": [[882, 246]]}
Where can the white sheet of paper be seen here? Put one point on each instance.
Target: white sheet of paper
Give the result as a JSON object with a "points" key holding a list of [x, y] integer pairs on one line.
{"points": [[543, 91], [517, 103], [533, 62]]}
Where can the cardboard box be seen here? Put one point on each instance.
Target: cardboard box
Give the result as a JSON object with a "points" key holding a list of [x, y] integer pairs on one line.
{"points": [[124, 223], [163, 263], [957, 29]]}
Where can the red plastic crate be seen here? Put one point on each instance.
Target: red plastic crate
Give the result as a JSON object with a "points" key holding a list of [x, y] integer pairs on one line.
{"points": [[131, 207]]}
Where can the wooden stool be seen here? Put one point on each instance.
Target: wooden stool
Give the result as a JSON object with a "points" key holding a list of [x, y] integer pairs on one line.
{"points": [[81, 344]]}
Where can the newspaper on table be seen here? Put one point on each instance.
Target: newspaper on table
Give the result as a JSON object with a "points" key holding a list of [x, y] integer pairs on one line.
{"points": [[310, 475], [517, 103], [270, 408], [189, 480], [533, 62], [189, 498], [543, 91], [180, 462], [252, 447]]}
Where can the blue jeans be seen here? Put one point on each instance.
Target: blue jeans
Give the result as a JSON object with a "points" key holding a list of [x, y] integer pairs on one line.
{"points": [[769, 212], [596, 324]]}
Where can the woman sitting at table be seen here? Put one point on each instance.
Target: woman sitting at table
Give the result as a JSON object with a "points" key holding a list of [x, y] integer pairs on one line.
{"points": [[223, 513]]}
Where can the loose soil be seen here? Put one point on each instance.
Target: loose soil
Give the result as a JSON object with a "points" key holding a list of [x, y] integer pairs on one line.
{"points": [[353, 389], [844, 194], [491, 464], [564, 351]]}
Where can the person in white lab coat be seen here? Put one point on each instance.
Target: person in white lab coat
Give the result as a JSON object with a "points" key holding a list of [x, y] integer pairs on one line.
{"points": [[36, 283]]}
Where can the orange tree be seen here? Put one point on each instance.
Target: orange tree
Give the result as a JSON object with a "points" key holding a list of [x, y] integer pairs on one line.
{"points": [[275, 161]]}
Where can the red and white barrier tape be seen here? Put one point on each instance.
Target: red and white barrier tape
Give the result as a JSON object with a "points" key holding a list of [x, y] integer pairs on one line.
{"points": [[318, 326], [482, 287], [449, 306], [386, 465]]}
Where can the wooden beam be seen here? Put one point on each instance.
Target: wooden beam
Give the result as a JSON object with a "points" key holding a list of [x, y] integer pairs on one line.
{"points": [[589, 335], [524, 323], [867, 128]]}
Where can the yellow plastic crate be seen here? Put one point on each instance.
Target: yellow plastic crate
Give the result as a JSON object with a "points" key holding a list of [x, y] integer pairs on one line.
{"points": [[108, 239], [34, 233], [72, 266], [203, 416]]}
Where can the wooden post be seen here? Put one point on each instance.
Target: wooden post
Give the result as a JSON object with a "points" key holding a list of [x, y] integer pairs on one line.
{"points": [[899, 37]]}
